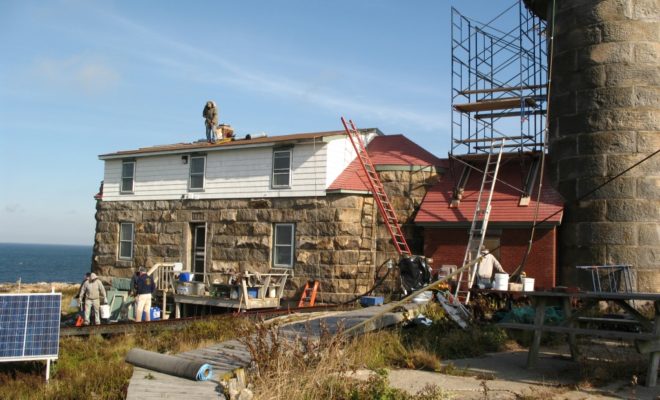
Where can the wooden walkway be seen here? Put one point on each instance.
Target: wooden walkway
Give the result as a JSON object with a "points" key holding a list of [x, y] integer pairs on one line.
{"points": [[227, 356]]}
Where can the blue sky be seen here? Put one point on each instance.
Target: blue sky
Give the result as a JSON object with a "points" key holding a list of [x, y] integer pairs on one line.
{"points": [[82, 78]]}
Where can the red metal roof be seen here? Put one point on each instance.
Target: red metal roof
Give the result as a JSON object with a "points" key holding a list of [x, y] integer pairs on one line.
{"points": [[385, 150], [504, 205]]}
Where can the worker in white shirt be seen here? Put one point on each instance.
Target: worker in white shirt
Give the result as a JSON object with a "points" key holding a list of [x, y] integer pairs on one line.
{"points": [[485, 269]]}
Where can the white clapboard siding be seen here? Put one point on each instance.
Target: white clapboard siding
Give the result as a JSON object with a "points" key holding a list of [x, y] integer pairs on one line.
{"points": [[340, 154], [233, 173]]}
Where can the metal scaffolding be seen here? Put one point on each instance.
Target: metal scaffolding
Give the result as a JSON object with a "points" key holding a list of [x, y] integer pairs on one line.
{"points": [[499, 81]]}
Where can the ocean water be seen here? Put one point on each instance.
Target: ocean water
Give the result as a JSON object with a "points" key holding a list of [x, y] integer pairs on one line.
{"points": [[44, 262]]}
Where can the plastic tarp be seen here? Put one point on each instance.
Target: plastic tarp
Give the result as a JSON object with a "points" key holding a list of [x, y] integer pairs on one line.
{"points": [[415, 273], [197, 370], [525, 315]]}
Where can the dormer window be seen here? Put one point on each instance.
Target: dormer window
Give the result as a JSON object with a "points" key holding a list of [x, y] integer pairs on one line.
{"points": [[281, 168], [127, 176]]}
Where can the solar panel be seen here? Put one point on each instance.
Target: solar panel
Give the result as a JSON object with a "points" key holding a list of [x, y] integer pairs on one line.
{"points": [[29, 326]]}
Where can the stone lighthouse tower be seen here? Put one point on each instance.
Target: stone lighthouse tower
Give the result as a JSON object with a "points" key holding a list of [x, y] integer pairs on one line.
{"points": [[604, 117]]}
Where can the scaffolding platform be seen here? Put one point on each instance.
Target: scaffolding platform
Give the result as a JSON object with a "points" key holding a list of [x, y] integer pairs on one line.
{"points": [[495, 104], [499, 80]]}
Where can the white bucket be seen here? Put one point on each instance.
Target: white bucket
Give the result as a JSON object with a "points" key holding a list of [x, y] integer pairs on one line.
{"points": [[501, 282], [105, 311], [423, 297], [272, 292], [528, 284]]}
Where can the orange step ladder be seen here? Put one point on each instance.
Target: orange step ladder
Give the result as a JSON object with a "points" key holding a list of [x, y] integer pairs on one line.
{"points": [[308, 296]]}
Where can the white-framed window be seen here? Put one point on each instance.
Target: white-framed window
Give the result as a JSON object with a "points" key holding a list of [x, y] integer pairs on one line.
{"points": [[126, 240], [127, 176], [283, 245], [281, 168], [197, 172]]}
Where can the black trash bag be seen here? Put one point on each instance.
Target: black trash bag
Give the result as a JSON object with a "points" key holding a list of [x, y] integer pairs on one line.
{"points": [[414, 272]]}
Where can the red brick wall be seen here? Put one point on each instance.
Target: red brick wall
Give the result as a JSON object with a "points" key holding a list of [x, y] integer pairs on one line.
{"points": [[447, 246]]}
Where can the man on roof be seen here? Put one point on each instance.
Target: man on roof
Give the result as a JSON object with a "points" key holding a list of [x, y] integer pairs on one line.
{"points": [[210, 115]]}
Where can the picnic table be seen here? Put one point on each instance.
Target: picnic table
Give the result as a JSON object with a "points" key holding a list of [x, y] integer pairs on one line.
{"points": [[646, 336]]}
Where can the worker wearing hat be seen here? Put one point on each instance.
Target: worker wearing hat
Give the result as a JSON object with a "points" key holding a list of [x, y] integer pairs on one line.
{"points": [[487, 264], [93, 293], [145, 288]]}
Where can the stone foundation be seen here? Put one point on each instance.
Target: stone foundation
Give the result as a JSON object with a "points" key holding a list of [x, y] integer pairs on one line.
{"points": [[338, 238]]}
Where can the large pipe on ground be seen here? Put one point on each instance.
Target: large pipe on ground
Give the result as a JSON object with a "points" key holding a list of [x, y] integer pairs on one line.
{"points": [[197, 370]]}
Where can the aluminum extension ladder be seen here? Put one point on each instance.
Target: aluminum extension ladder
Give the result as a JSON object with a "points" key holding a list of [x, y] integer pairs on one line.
{"points": [[479, 221], [383, 202]]}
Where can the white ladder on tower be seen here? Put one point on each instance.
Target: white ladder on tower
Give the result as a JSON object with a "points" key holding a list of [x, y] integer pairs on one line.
{"points": [[479, 221]]}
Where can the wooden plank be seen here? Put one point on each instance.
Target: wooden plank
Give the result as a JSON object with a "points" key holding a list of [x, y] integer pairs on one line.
{"points": [[580, 331], [492, 139], [654, 359], [533, 354], [495, 104], [598, 295], [572, 342], [647, 347]]}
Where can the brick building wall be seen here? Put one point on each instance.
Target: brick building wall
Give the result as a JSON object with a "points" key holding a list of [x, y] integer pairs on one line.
{"points": [[447, 247]]}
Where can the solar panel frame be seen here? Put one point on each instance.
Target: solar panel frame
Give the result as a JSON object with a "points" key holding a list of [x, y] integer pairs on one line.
{"points": [[29, 326]]}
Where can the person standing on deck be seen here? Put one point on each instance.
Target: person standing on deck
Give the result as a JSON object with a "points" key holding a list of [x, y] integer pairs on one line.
{"points": [[145, 288], [487, 264], [93, 291]]}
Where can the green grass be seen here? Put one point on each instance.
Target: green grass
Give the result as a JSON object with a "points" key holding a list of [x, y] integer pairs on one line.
{"points": [[94, 368]]}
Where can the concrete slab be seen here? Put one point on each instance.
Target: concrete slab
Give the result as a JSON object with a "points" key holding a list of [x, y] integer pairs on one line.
{"points": [[504, 376]]}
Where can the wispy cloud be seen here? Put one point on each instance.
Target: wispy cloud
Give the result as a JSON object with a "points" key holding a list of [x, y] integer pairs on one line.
{"points": [[198, 65], [88, 75], [14, 208]]}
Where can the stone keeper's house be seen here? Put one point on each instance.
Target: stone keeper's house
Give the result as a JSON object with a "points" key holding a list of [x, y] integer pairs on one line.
{"points": [[296, 201]]}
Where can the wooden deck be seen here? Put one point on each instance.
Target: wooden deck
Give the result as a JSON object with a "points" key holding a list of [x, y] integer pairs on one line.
{"points": [[227, 356]]}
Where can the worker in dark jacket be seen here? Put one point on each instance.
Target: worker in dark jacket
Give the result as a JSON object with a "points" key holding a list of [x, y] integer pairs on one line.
{"points": [[210, 115], [133, 290], [145, 288]]}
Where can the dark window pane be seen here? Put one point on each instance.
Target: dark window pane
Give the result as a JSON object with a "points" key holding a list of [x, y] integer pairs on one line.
{"points": [[197, 166], [281, 161], [283, 256], [283, 234], [126, 232], [281, 179], [127, 184], [127, 170], [199, 237], [196, 182], [125, 249]]}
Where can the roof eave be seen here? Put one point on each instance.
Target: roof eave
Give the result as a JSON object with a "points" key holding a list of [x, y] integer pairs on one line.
{"points": [[492, 224], [204, 148], [348, 191]]}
